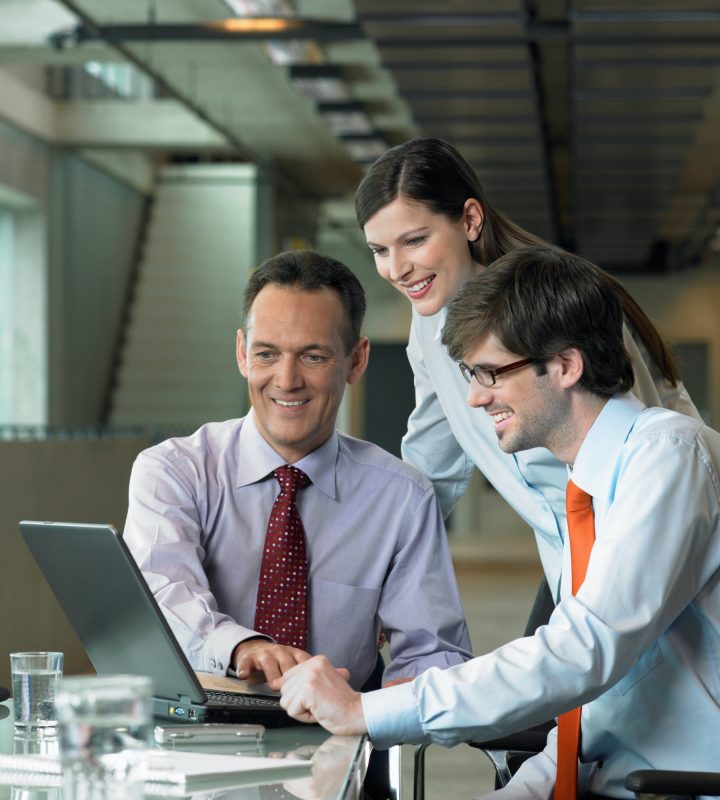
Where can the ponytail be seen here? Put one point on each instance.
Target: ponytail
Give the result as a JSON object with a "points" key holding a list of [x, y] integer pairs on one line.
{"points": [[657, 348]]}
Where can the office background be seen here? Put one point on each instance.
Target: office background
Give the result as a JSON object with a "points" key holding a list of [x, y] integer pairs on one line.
{"points": [[152, 152]]}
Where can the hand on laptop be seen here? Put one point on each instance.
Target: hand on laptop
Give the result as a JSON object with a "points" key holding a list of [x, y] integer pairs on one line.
{"points": [[316, 691], [258, 660]]}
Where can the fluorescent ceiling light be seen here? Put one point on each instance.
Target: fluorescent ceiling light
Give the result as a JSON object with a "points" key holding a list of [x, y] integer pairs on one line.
{"points": [[259, 8]]}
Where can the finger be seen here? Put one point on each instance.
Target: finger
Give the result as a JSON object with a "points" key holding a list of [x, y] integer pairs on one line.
{"points": [[291, 673], [272, 671], [287, 658], [301, 656], [304, 716], [252, 664], [295, 707], [344, 673], [245, 665]]}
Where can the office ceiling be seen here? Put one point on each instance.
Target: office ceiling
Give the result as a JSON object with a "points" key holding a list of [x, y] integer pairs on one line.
{"points": [[594, 123]]}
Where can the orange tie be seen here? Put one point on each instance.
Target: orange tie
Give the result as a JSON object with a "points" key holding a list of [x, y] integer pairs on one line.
{"points": [[581, 528]]}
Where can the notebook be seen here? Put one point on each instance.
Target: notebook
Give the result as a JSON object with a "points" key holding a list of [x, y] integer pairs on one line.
{"points": [[167, 772], [114, 614]]}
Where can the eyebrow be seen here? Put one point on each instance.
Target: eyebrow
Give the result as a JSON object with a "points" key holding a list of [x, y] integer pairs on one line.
{"points": [[271, 346], [484, 365]]}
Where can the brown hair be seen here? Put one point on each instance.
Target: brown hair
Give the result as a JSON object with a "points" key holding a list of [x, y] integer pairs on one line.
{"points": [[432, 172], [539, 301], [312, 272]]}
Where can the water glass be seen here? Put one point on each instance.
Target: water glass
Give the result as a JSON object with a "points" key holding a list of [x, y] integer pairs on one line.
{"points": [[104, 730], [35, 678]]}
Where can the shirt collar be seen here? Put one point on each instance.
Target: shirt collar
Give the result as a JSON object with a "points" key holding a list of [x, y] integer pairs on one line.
{"points": [[595, 463], [257, 459], [441, 316]]}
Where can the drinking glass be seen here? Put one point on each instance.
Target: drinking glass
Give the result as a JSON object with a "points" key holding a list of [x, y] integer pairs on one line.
{"points": [[35, 677], [104, 730]]}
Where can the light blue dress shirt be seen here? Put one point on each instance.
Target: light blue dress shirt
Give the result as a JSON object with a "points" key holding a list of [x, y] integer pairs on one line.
{"points": [[446, 439], [638, 646], [377, 550]]}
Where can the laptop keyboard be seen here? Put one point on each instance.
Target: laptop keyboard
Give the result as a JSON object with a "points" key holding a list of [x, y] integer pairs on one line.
{"points": [[217, 696]]}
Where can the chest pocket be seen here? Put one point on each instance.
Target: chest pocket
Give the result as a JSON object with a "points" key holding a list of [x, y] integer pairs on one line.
{"points": [[647, 662]]}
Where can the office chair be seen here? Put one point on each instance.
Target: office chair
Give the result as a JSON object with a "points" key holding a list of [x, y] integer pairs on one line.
{"points": [[509, 752]]}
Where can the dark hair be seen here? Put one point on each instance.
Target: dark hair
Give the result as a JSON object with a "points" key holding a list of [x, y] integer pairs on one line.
{"points": [[539, 301], [311, 272], [432, 172]]}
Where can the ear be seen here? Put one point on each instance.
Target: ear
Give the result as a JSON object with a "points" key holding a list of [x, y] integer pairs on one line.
{"points": [[473, 218], [241, 352], [359, 360], [570, 366]]}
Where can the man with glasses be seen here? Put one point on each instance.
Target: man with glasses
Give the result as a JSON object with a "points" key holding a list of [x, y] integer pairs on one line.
{"points": [[628, 659]]}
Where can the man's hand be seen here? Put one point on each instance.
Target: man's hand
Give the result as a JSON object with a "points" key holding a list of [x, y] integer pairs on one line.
{"points": [[318, 692], [258, 660]]}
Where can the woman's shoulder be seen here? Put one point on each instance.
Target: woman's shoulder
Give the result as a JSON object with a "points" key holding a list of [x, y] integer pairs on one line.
{"points": [[651, 386]]}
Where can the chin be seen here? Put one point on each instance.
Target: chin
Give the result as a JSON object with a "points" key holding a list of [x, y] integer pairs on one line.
{"points": [[426, 307], [508, 446]]}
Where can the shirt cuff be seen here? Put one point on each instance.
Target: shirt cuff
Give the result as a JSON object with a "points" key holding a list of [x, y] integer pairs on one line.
{"points": [[218, 650], [392, 716]]}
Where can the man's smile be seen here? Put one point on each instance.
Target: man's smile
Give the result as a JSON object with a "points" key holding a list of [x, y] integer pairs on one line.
{"points": [[289, 403], [499, 417]]}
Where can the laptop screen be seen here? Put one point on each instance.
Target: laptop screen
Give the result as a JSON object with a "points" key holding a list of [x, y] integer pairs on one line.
{"points": [[108, 603]]}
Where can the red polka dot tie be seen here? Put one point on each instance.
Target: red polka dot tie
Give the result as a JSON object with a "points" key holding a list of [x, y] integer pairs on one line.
{"points": [[281, 609]]}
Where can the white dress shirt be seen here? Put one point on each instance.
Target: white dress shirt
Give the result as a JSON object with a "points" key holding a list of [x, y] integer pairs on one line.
{"points": [[638, 646], [376, 545]]}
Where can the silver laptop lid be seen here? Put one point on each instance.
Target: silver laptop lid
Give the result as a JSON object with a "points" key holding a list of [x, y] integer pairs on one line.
{"points": [[108, 603]]}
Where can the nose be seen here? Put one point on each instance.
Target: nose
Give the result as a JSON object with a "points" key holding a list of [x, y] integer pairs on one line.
{"points": [[399, 266], [287, 374], [478, 396]]}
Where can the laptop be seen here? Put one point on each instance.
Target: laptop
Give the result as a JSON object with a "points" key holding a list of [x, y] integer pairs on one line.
{"points": [[114, 614]]}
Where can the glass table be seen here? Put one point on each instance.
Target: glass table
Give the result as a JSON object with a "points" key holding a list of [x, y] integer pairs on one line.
{"points": [[338, 765]]}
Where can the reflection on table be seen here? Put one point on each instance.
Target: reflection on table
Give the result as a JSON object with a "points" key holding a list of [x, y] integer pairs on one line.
{"points": [[338, 764]]}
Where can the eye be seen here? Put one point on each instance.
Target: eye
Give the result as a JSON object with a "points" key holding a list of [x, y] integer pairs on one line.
{"points": [[378, 251], [264, 355], [415, 241], [314, 359]]}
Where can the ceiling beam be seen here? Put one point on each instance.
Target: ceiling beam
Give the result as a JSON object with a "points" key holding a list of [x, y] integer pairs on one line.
{"points": [[237, 29]]}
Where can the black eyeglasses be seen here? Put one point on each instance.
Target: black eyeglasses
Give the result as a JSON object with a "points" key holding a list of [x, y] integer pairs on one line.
{"points": [[487, 377]]}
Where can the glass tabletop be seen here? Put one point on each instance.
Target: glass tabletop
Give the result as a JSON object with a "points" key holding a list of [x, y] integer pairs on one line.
{"points": [[337, 765]]}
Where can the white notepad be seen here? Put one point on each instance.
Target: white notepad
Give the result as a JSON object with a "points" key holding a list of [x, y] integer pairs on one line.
{"points": [[182, 769]]}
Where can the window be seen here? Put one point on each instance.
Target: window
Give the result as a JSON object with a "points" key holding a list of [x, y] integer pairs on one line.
{"points": [[7, 317], [23, 313]]}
